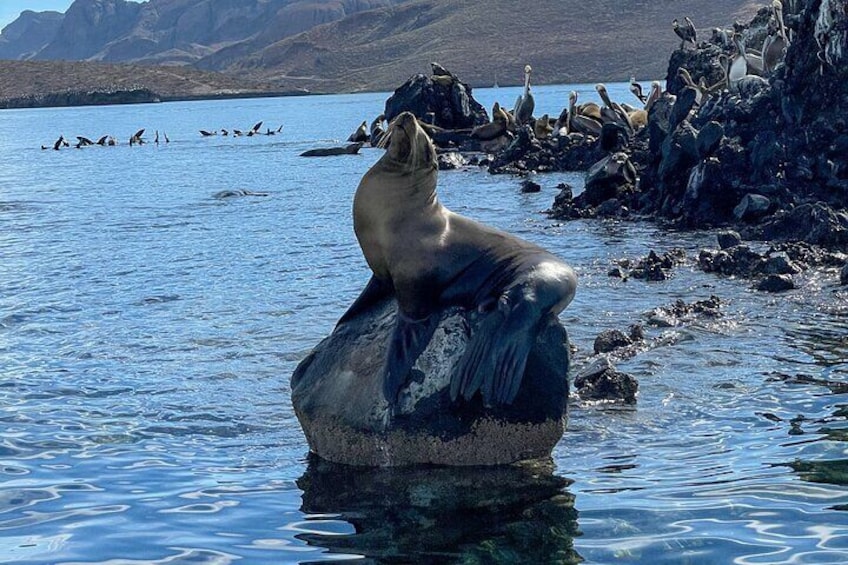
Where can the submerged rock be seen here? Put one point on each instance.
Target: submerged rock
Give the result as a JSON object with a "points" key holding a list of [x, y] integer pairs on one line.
{"points": [[337, 396], [602, 382], [776, 283]]}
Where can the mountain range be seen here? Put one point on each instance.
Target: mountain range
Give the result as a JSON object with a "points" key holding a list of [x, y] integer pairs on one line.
{"points": [[355, 45]]}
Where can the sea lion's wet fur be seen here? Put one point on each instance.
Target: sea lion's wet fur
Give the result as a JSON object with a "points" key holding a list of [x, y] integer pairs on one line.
{"points": [[432, 259]]}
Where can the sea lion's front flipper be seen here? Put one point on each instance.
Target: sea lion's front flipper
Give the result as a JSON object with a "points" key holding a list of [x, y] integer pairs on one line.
{"points": [[409, 340], [374, 291]]}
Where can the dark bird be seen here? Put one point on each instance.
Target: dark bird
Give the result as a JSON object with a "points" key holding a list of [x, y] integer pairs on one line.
{"points": [[636, 89], [685, 32], [59, 143], [205, 133]]}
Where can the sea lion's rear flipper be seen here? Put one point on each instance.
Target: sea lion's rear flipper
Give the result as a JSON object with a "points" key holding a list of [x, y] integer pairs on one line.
{"points": [[496, 356], [409, 340], [374, 291]]}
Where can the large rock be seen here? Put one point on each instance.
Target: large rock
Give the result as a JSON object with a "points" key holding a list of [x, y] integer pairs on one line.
{"points": [[447, 99], [337, 396]]}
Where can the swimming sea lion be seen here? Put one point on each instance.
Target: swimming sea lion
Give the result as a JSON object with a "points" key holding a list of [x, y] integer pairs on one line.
{"points": [[432, 259], [350, 149]]}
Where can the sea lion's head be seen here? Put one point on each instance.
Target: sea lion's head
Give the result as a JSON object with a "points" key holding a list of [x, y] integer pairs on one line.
{"points": [[409, 147]]}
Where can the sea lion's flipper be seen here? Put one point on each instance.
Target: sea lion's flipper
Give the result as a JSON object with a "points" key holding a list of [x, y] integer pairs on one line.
{"points": [[374, 291], [409, 340], [496, 356]]}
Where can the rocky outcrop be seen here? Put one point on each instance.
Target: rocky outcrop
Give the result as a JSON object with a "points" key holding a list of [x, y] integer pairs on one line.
{"points": [[337, 396], [440, 100]]}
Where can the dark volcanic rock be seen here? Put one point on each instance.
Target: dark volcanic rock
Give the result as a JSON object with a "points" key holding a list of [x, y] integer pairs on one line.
{"points": [[669, 316], [601, 381], [610, 340], [529, 186], [449, 102], [337, 396], [728, 238], [814, 223], [776, 283]]}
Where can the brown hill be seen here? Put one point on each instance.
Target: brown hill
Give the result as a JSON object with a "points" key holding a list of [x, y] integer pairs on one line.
{"points": [[50, 83], [488, 42]]}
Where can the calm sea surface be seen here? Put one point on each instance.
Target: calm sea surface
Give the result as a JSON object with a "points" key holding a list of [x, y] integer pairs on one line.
{"points": [[148, 331]]}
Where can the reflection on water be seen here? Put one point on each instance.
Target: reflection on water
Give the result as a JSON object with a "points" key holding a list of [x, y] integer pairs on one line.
{"points": [[516, 514]]}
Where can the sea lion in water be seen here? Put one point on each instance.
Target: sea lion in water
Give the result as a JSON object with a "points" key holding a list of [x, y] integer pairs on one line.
{"points": [[350, 149], [432, 259]]}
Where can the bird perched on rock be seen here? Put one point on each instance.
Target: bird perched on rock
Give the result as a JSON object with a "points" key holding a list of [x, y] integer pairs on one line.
{"points": [[685, 32]]}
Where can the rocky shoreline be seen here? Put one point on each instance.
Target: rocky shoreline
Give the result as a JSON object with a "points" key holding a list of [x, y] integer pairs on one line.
{"points": [[769, 161], [133, 96], [759, 152]]}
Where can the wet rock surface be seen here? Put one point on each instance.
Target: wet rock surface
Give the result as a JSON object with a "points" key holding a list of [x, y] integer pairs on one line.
{"points": [[600, 381], [680, 311], [337, 396], [653, 267]]}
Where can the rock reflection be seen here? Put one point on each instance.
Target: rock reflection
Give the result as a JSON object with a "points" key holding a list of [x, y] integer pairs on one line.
{"points": [[515, 514]]}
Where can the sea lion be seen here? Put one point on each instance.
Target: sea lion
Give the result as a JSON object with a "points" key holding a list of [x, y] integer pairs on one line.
{"points": [[350, 149], [432, 259], [361, 133]]}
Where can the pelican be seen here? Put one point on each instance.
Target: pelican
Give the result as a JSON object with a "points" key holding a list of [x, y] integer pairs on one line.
{"points": [[612, 112], [525, 104], [653, 95], [774, 47], [699, 88], [578, 123], [753, 62], [685, 33]]}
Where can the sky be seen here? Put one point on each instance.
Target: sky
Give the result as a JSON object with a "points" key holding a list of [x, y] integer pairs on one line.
{"points": [[11, 9]]}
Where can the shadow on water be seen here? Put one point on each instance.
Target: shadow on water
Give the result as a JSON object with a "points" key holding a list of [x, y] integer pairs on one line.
{"points": [[516, 514]]}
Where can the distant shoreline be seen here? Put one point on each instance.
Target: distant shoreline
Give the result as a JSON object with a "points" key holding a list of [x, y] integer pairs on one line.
{"points": [[121, 97]]}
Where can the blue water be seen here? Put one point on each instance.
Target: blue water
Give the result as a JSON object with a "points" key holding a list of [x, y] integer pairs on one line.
{"points": [[148, 331]]}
